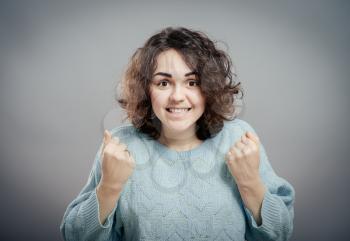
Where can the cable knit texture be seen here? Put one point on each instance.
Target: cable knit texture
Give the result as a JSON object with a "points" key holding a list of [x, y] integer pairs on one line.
{"points": [[187, 195]]}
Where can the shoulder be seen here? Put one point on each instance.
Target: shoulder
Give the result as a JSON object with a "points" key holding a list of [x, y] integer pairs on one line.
{"points": [[127, 131], [238, 125], [128, 134], [135, 140], [232, 131], [123, 131]]}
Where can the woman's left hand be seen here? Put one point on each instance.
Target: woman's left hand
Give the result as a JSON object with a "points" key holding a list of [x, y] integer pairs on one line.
{"points": [[243, 160]]}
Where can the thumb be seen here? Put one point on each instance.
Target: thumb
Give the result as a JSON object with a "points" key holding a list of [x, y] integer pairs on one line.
{"points": [[106, 137]]}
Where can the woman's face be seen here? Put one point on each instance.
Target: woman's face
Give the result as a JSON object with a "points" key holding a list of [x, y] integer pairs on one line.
{"points": [[176, 96]]}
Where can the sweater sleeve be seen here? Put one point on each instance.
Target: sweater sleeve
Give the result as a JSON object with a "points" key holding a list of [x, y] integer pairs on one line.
{"points": [[81, 219], [277, 211]]}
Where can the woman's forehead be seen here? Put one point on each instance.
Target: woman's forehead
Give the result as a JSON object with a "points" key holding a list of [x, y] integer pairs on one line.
{"points": [[170, 61]]}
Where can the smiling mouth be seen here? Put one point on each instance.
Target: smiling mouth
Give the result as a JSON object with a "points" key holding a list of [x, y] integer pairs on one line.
{"points": [[177, 110]]}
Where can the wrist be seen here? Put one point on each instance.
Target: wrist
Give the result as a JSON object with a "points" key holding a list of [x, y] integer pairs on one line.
{"points": [[109, 190], [252, 196], [252, 188]]}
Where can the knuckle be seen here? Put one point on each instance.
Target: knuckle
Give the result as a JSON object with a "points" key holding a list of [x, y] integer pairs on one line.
{"points": [[122, 146], [115, 141], [247, 152], [118, 152], [108, 150]]}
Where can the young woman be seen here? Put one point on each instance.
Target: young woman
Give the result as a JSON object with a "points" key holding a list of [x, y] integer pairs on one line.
{"points": [[185, 168]]}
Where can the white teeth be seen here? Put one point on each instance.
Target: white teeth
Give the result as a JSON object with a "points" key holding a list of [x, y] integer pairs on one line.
{"points": [[178, 110]]}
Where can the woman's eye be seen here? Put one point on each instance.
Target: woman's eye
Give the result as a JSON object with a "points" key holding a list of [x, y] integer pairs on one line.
{"points": [[193, 83], [163, 83]]}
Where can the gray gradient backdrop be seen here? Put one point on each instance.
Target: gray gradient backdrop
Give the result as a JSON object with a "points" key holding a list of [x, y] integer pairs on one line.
{"points": [[60, 62]]}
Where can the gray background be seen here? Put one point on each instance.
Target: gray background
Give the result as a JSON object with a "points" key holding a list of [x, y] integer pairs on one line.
{"points": [[60, 62]]}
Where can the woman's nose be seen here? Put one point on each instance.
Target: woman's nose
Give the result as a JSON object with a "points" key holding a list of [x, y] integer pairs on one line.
{"points": [[177, 94]]}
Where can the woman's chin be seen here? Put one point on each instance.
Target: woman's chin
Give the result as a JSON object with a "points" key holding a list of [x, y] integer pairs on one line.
{"points": [[179, 128]]}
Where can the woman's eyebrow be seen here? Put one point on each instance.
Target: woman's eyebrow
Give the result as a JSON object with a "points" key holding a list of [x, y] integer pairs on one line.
{"points": [[169, 75]]}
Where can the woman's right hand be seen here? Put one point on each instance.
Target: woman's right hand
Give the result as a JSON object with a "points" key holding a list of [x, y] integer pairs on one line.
{"points": [[116, 163]]}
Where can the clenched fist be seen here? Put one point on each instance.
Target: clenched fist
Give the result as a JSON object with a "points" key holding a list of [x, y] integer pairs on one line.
{"points": [[243, 159], [116, 163]]}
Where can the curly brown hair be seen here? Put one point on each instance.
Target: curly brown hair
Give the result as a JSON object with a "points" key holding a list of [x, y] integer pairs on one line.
{"points": [[212, 65]]}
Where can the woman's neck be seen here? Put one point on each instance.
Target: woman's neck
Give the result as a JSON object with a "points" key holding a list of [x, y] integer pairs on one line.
{"points": [[179, 141]]}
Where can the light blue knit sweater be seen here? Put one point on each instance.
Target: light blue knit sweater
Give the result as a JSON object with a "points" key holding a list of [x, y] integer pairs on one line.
{"points": [[188, 195]]}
